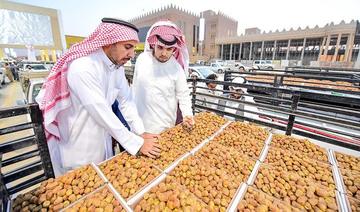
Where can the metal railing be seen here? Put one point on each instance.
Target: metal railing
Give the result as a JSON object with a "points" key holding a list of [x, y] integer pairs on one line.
{"points": [[319, 90], [290, 113], [20, 162], [323, 69]]}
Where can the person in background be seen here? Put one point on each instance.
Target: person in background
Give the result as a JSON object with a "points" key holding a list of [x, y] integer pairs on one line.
{"points": [[13, 70], [8, 72], [239, 93], [159, 84], [211, 91], [77, 96]]}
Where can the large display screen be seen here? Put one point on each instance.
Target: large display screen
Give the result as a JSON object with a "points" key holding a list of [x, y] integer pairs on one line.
{"points": [[23, 28]]}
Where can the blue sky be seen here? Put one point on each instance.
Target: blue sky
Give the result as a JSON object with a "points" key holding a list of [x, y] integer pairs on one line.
{"points": [[80, 17]]}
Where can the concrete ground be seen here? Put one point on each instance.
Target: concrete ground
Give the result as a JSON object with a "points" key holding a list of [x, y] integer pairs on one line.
{"points": [[10, 93]]}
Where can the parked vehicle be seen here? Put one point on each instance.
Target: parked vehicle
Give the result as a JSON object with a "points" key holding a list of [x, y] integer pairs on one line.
{"points": [[34, 67], [218, 68], [200, 72], [263, 64], [2, 74]]}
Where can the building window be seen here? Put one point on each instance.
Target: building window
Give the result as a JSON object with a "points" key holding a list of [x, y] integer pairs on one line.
{"points": [[256, 50], [295, 49], [281, 49], [194, 35], [356, 48], [312, 50], [268, 50], [235, 51], [245, 51]]}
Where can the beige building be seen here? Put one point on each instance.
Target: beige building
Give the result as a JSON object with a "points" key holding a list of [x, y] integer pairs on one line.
{"points": [[331, 45], [187, 21], [216, 24], [39, 37]]}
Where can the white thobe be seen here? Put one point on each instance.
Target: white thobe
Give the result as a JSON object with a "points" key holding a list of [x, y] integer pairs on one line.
{"points": [[85, 128], [208, 99], [157, 89], [245, 106]]}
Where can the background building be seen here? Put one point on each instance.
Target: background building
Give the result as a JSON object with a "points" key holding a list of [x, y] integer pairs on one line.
{"points": [[331, 45], [216, 24], [29, 30], [187, 21]]}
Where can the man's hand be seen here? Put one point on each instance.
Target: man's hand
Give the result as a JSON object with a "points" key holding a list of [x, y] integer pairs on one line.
{"points": [[150, 135], [188, 122], [150, 147]]}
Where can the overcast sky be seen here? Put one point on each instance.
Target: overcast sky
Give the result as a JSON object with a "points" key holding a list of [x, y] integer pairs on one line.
{"points": [[80, 17]]}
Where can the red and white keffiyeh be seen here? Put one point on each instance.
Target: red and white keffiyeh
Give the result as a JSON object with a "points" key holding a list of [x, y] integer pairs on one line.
{"points": [[168, 30], [54, 96]]}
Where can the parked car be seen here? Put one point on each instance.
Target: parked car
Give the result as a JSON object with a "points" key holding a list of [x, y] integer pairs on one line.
{"points": [[263, 64], [32, 71], [2, 74], [218, 68], [241, 67], [200, 72], [34, 67], [31, 90]]}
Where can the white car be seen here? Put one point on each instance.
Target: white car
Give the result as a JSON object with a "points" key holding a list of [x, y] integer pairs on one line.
{"points": [[241, 67], [263, 64], [2, 74], [31, 91], [200, 72], [218, 68], [34, 67]]}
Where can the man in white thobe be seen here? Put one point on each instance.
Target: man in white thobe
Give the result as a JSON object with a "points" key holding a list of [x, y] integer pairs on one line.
{"points": [[239, 93], [76, 100], [207, 100], [159, 83]]}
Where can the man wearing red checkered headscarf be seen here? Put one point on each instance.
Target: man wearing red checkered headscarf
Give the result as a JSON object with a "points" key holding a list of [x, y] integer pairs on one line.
{"points": [[77, 96], [159, 83]]}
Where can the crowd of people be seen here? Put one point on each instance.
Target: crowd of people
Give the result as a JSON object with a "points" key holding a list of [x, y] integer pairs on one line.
{"points": [[11, 72]]}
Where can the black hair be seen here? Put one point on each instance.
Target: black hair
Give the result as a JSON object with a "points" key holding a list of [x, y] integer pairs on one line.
{"points": [[211, 77]]}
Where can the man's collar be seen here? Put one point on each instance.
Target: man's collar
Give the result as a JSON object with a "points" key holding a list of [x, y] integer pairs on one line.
{"points": [[107, 61]]}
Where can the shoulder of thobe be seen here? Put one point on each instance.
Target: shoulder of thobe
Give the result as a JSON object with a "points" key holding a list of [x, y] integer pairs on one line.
{"points": [[84, 64]]}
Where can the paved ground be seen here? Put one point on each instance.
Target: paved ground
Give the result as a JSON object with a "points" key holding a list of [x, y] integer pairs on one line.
{"points": [[10, 93]]}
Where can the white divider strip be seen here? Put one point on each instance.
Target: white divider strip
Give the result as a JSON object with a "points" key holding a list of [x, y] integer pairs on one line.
{"points": [[265, 148], [341, 197], [331, 157], [135, 199], [176, 162], [253, 174], [339, 182], [343, 202], [100, 173], [239, 195], [269, 138], [207, 140], [119, 198]]}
